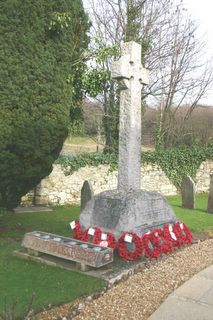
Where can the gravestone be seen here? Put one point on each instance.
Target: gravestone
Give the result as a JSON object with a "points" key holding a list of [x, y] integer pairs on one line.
{"points": [[188, 193], [210, 198], [86, 194], [128, 208]]}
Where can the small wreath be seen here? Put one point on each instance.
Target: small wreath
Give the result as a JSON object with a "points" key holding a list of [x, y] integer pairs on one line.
{"points": [[181, 236], [166, 243], [155, 241], [183, 233], [77, 230], [90, 234], [106, 240], [169, 234], [189, 235], [122, 248]]}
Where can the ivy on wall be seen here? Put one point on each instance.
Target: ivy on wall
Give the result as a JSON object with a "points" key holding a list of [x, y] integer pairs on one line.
{"points": [[179, 162], [71, 164], [176, 163]]}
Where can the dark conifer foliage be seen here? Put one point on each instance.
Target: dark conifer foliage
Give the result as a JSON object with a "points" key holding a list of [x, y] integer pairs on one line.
{"points": [[41, 40]]}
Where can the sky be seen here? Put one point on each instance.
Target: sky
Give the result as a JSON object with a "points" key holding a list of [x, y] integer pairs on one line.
{"points": [[202, 12]]}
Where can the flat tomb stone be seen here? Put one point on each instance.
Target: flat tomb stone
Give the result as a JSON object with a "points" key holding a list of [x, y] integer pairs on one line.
{"points": [[81, 252]]}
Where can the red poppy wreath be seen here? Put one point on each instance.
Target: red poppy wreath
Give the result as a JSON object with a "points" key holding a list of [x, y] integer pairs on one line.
{"points": [[77, 231], [152, 244], [131, 238], [105, 239]]}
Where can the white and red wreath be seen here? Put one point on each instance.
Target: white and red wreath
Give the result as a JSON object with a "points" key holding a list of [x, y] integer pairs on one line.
{"points": [[131, 247]]}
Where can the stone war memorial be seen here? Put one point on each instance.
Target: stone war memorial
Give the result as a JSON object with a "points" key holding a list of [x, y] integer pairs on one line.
{"points": [[128, 208], [132, 220]]}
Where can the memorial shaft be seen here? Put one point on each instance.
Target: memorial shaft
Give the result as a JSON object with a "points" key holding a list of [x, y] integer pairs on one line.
{"points": [[129, 166], [130, 75]]}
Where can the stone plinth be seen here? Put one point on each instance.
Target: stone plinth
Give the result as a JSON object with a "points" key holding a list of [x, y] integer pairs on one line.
{"points": [[67, 248], [117, 211]]}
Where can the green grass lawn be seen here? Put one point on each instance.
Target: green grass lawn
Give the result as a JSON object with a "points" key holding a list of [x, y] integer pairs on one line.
{"points": [[19, 279], [56, 221], [80, 140], [197, 220]]}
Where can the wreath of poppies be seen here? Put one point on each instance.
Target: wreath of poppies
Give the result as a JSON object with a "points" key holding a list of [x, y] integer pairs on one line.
{"points": [[152, 244], [87, 237], [109, 242], [169, 234], [181, 237], [77, 230], [189, 235], [183, 233], [124, 253], [167, 246]]}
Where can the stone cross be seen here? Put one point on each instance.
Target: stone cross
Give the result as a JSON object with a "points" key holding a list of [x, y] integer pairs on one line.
{"points": [[130, 74]]}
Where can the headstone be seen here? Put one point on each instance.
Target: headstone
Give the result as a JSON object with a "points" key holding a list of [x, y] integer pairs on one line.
{"points": [[210, 198], [188, 193], [67, 248], [128, 208], [86, 194]]}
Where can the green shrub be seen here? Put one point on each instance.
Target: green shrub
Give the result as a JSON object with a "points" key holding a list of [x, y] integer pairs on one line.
{"points": [[40, 41]]}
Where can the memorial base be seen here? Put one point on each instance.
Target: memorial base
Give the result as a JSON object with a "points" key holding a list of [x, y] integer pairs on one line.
{"points": [[116, 211]]}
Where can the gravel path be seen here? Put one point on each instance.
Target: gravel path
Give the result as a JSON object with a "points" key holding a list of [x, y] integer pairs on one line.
{"points": [[140, 295]]}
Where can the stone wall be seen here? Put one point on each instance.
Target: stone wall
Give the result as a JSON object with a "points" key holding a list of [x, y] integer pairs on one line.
{"points": [[202, 179], [58, 189]]}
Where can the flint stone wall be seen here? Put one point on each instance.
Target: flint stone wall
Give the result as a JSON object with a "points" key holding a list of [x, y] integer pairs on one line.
{"points": [[58, 189]]}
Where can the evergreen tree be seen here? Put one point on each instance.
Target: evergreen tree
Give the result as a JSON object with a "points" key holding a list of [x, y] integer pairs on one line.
{"points": [[40, 83]]}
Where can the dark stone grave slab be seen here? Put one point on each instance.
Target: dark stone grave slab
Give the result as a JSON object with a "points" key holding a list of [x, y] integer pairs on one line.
{"points": [[30, 209]]}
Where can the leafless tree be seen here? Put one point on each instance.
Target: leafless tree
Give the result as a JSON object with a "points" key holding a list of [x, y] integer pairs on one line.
{"points": [[171, 51]]}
